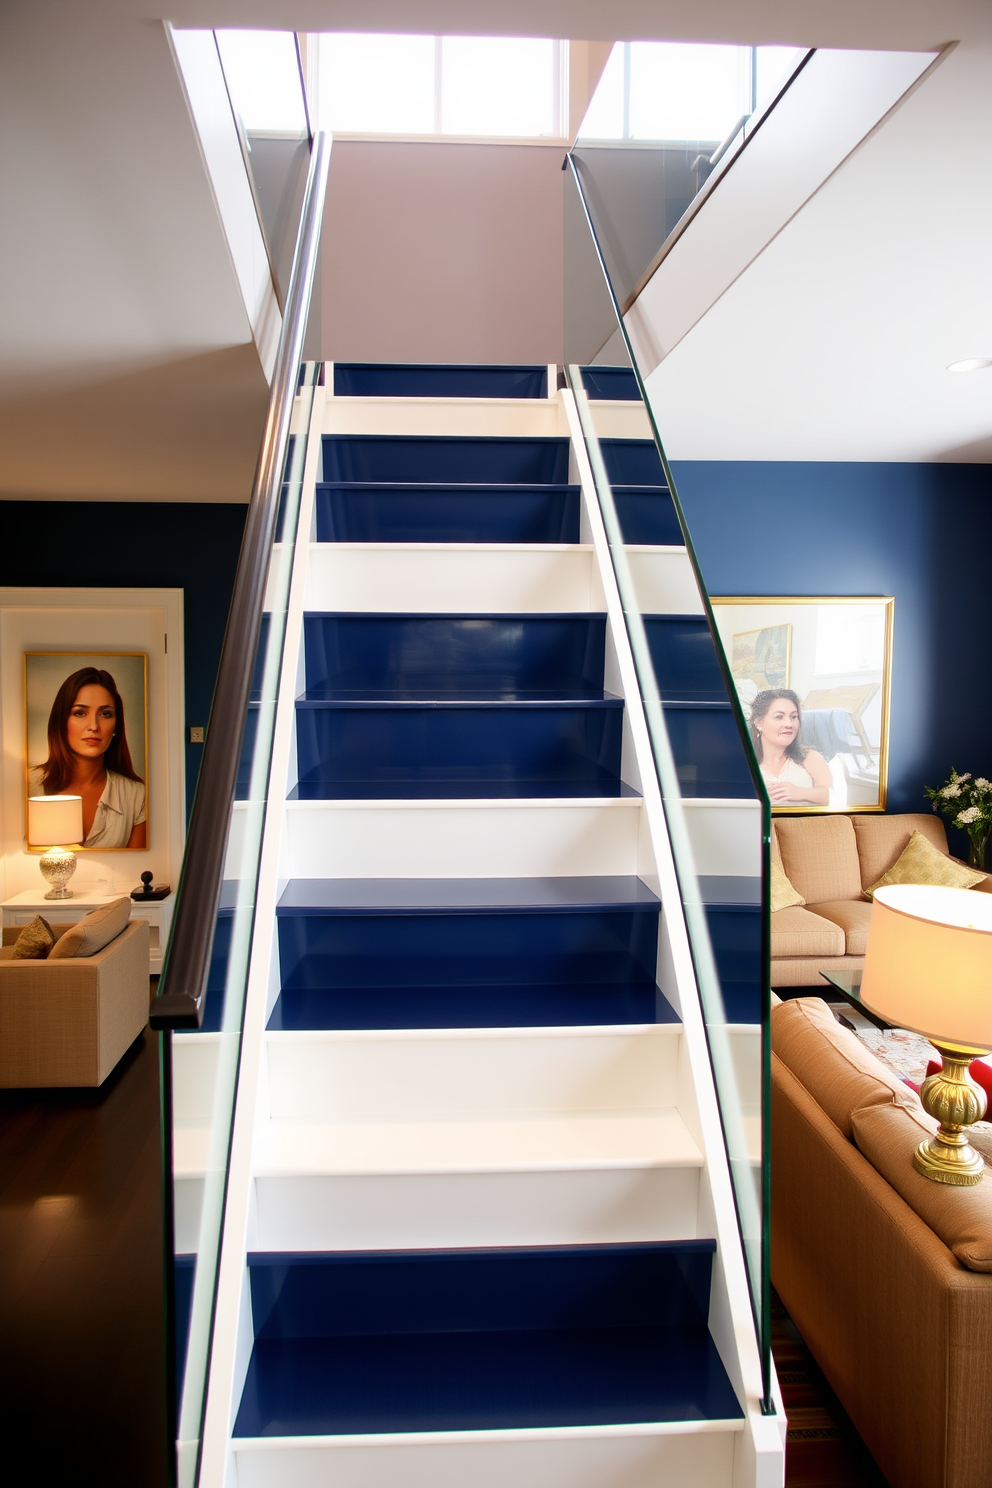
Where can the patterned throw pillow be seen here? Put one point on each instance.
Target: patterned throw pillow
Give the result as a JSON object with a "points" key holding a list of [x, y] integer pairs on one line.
{"points": [[922, 863], [34, 942], [95, 931], [783, 893]]}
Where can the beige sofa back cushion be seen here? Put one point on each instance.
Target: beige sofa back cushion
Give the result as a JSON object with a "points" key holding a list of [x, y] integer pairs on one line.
{"points": [[93, 932], [840, 1074], [881, 839], [961, 1217], [820, 857]]}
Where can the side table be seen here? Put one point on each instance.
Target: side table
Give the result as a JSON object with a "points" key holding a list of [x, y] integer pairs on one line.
{"points": [[848, 984], [21, 908]]}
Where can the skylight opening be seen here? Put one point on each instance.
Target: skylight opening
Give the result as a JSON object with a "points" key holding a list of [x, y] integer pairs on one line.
{"points": [[263, 79], [659, 90], [456, 87]]}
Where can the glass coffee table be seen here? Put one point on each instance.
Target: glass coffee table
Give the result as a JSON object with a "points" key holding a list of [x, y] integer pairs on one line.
{"points": [[848, 984]]}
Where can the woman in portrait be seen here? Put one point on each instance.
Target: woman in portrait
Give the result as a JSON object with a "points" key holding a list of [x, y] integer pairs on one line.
{"points": [[88, 756], [795, 776]]}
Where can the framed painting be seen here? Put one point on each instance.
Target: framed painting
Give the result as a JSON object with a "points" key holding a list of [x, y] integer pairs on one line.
{"points": [[813, 676], [86, 734]]}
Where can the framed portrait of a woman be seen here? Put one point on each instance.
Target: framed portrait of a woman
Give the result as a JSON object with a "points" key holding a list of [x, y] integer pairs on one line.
{"points": [[812, 674], [86, 734]]}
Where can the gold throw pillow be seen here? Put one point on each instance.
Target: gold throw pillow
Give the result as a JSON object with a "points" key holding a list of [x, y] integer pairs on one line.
{"points": [[34, 942], [922, 863], [783, 893]]}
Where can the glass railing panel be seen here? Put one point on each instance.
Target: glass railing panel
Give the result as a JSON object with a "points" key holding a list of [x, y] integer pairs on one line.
{"points": [[716, 808], [204, 1062], [265, 83], [664, 123]]}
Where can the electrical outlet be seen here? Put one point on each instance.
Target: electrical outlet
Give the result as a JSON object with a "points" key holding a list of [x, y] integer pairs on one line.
{"points": [[196, 735]]}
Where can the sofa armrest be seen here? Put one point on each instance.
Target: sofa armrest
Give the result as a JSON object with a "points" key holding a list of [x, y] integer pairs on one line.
{"points": [[901, 1330]]}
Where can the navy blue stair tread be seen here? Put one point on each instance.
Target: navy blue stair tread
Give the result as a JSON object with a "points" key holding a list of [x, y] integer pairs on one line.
{"points": [[520, 789], [449, 895], [648, 517], [480, 1381], [416, 491], [488, 701], [620, 1284], [557, 655], [612, 383], [710, 756], [729, 891], [450, 458], [684, 658], [741, 1001], [697, 704], [379, 512], [543, 1005], [460, 746], [438, 380], [632, 462], [316, 696]]}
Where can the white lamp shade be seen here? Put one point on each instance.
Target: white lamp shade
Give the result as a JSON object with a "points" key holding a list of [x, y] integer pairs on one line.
{"points": [[928, 964], [55, 821]]}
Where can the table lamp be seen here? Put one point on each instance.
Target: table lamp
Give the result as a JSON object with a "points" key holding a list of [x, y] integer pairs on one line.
{"points": [[56, 823], [928, 968]]}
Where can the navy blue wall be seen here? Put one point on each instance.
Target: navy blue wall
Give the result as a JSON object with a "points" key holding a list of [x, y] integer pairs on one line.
{"points": [[170, 545], [919, 532]]}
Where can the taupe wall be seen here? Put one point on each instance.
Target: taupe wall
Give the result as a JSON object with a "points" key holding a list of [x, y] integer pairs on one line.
{"points": [[438, 252]]}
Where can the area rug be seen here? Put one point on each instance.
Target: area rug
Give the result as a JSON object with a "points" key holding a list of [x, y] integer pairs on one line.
{"points": [[906, 1054]]}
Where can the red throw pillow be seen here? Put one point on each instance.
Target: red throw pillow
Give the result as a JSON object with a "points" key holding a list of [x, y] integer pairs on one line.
{"points": [[981, 1073]]}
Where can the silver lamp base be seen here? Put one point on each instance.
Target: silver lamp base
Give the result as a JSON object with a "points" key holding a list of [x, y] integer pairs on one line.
{"points": [[58, 865]]}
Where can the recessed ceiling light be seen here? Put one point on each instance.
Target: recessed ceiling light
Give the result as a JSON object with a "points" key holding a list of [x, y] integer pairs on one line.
{"points": [[971, 364]]}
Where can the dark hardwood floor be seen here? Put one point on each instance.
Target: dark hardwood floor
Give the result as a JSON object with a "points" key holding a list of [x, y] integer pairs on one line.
{"points": [[82, 1370], [822, 1450]]}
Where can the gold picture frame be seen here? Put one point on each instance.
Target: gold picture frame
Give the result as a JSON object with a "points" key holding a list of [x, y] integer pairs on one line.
{"points": [[44, 674], [835, 653]]}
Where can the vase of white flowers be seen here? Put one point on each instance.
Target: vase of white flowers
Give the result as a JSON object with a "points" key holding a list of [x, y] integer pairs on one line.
{"points": [[966, 800]]}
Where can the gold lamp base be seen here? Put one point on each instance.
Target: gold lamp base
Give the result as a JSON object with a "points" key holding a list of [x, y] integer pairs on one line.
{"points": [[952, 1098]]}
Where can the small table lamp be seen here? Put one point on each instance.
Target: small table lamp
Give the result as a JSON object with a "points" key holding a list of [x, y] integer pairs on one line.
{"points": [[56, 823], [928, 968]]}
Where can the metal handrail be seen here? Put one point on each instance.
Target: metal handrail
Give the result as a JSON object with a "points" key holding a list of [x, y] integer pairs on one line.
{"points": [[187, 960]]}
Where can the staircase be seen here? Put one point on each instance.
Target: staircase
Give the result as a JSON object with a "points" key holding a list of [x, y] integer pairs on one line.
{"points": [[486, 1234]]}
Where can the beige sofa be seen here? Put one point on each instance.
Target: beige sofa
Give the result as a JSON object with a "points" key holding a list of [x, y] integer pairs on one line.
{"points": [[69, 1022], [830, 860], [895, 1307]]}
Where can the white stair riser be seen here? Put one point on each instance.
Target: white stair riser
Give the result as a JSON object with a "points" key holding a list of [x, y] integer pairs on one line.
{"points": [[424, 1211], [701, 1459], [663, 581], [461, 578], [499, 839], [188, 1210], [195, 1058], [323, 1078], [725, 835], [523, 418]]}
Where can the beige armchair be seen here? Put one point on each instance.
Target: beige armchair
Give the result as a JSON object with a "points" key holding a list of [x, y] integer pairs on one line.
{"points": [[68, 1022]]}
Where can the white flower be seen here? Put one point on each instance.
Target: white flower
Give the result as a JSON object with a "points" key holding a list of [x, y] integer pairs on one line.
{"points": [[981, 783], [951, 790], [962, 778], [965, 818]]}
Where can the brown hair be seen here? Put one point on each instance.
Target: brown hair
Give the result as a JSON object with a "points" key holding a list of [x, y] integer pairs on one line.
{"points": [[59, 768], [759, 708]]}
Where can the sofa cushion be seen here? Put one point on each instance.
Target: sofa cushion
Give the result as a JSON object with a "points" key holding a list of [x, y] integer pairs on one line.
{"points": [[840, 1074], [782, 893], [852, 915], [34, 942], [93, 932], [798, 932], [820, 856], [881, 839], [888, 1135], [922, 863]]}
